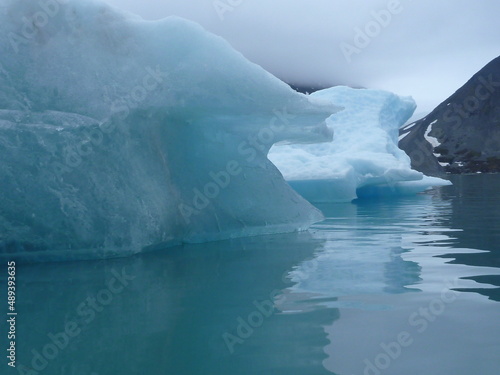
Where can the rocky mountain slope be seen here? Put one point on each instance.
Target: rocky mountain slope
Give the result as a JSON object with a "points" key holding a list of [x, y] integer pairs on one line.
{"points": [[462, 135]]}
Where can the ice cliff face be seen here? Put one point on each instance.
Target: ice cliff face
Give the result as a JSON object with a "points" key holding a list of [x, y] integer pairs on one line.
{"points": [[363, 160], [119, 134]]}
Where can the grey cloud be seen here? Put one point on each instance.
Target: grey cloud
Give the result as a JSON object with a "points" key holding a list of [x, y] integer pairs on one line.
{"points": [[427, 50]]}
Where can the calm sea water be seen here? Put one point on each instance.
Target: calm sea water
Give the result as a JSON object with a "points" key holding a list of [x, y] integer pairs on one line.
{"points": [[409, 286]]}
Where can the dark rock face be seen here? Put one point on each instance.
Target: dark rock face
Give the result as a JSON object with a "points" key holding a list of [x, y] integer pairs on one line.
{"points": [[306, 89], [462, 135]]}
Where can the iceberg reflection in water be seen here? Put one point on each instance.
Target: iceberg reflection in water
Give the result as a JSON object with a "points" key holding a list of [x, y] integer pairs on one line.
{"points": [[369, 290]]}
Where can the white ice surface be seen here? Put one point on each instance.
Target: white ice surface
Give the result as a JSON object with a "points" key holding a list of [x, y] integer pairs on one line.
{"points": [[363, 160]]}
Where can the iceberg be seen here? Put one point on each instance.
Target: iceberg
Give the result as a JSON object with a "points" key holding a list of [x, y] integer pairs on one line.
{"points": [[119, 135], [363, 160]]}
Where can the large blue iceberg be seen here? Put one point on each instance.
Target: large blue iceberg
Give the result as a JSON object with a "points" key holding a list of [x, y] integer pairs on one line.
{"points": [[364, 160], [118, 134]]}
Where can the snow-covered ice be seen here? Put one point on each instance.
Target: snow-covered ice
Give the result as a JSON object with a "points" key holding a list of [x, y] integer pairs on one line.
{"points": [[363, 160], [432, 140], [402, 136], [409, 126]]}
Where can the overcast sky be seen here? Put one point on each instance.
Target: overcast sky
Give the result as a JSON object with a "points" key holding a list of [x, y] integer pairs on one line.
{"points": [[425, 48]]}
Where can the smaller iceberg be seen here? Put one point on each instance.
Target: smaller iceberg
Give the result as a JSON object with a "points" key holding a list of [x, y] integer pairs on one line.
{"points": [[363, 160]]}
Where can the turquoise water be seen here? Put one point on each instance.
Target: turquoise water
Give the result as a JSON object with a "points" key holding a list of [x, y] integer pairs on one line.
{"points": [[409, 286]]}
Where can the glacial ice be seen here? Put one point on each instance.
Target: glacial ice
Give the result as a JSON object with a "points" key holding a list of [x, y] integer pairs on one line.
{"points": [[363, 160], [119, 134]]}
